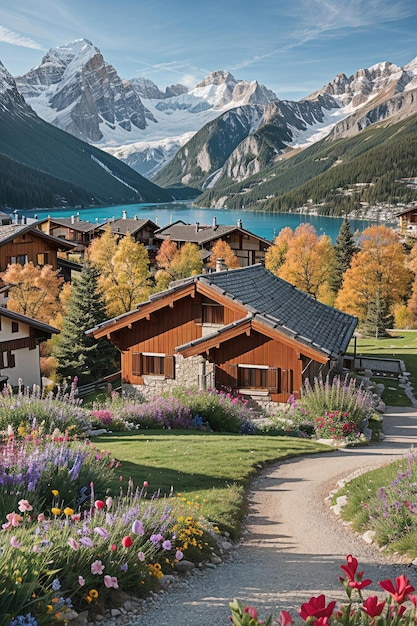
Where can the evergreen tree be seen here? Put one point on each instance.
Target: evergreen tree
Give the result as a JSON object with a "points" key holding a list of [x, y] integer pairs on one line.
{"points": [[77, 353], [344, 249]]}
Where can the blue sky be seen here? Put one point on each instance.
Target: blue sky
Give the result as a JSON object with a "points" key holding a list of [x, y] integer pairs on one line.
{"points": [[293, 47]]}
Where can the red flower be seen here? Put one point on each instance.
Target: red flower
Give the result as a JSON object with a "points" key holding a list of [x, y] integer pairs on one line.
{"points": [[99, 504], [400, 593], [286, 619], [372, 606], [316, 607], [354, 579], [127, 541], [251, 611]]}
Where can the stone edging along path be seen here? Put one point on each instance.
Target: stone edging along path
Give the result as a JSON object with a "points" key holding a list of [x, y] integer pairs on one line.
{"points": [[293, 544]]}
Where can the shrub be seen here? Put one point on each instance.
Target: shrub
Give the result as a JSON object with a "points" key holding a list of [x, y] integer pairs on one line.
{"points": [[220, 409], [335, 408]]}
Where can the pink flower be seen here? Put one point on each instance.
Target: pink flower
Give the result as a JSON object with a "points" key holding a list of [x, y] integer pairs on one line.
{"points": [[179, 555], [113, 547], [372, 606], [127, 541], [111, 581], [109, 502], [99, 504], [81, 581], [15, 542], [316, 607], [35, 549], [145, 483], [24, 505], [73, 543], [141, 556], [97, 567], [137, 528], [41, 517], [13, 519]]}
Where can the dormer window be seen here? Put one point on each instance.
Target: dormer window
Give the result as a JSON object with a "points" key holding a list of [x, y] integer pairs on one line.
{"points": [[212, 313]]}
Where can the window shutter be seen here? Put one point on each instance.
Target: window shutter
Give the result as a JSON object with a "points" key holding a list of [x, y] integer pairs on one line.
{"points": [[169, 366], [272, 379], [232, 373], [136, 364], [11, 360], [287, 381]]}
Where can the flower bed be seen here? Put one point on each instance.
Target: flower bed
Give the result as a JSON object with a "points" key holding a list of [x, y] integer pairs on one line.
{"points": [[370, 611]]}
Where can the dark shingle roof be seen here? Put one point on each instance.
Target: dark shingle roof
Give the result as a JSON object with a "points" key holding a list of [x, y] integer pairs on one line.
{"points": [[24, 319], [195, 233], [278, 304], [124, 225], [77, 225]]}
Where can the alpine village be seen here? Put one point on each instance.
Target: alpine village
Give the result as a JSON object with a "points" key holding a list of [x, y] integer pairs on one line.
{"points": [[149, 372]]}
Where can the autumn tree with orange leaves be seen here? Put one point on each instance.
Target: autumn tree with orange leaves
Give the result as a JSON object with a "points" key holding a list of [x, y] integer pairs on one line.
{"points": [[377, 280], [222, 250], [303, 259]]}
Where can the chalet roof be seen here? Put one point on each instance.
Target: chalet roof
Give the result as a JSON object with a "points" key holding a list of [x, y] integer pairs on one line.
{"points": [[273, 303], [8, 232], [276, 303], [198, 234], [24, 319], [412, 209], [77, 224], [124, 225]]}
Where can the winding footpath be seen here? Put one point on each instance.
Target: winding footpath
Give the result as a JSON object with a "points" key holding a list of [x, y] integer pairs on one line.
{"points": [[294, 544]]}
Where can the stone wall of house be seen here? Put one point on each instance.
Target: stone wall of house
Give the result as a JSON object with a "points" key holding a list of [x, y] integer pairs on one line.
{"points": [[193, 371]]}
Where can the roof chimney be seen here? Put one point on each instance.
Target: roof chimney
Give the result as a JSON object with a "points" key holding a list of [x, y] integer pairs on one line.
{"points": [[197, 227], [220, 265], [72, 219], [239, 223], [124, 215], [214, 223]]}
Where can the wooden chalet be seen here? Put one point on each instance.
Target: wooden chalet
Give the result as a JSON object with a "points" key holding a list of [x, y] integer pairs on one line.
{"points": [[20, 337], [25, 243], [408, 221], [248, 247], [79, 232], [244, 329]]}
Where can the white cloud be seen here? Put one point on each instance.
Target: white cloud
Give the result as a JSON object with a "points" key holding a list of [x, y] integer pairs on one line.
{"points": [[14, 39]]}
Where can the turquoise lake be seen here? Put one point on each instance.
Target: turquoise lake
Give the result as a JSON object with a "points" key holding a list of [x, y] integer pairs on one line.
{"points": [[263, 224]]}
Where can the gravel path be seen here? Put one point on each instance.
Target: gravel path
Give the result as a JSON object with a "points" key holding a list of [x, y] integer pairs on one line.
{"points": [[294, 545]]}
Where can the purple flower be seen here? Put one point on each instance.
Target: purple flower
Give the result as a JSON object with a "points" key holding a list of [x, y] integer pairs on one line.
{"points": [[141, 556], [102, 532], [166, 544], [137, 528], [86, 541]]}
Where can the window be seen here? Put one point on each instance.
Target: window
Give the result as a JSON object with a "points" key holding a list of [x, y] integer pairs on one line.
{"points": [[252, 377], [149, 364], [20, 258], [7, 359], [15, 327], [213, 313], [42, 258]]}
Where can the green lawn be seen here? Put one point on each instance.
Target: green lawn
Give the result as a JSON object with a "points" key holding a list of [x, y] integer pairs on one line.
{"points": [[401, 344], [211, 469]]}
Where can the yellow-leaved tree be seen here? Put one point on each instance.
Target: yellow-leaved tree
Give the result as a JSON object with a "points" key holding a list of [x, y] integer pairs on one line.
{"points": [[378, 278], [275, 255], [124, 271]]}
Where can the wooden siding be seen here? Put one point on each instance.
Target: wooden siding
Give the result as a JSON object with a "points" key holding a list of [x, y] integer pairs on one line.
{"points": [[30, 245]]}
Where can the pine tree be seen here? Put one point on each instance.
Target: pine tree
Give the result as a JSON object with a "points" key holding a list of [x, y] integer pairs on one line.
{"points": [[78, 354], [344, 249]]}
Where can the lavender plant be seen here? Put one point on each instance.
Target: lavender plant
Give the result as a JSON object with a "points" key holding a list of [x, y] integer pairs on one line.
{"points": [[336, 408]]}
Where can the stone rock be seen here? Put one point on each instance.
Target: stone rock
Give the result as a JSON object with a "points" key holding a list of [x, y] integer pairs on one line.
{"points": [[216, 559], [166, 581], [379, 388], [341, 501], [210, 565], [81, 619], [184, 566], [226, 546], [115, 612], [368, 373], [368, 537]]}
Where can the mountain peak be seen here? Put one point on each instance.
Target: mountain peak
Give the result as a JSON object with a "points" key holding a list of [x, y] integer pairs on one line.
{"points": [[219, 77]]}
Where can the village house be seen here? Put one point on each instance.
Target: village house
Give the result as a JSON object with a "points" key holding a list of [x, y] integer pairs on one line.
{"points": [[408, 221], [79, 232], [25, 243], [20, 337], [244, 329], [248, 247]]}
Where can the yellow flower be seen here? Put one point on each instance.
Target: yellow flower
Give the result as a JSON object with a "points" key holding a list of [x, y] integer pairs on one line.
{"points": [[93, 593], [68, 511], [49, 608], [55, 492], [88, 598], [19, 579], [55, 511]]}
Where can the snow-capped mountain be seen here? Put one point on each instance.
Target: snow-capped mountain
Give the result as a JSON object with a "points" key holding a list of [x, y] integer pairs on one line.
{"points": [[75, 89]]}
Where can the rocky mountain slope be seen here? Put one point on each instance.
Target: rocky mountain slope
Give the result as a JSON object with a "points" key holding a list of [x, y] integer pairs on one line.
{"points": [[43, 166]]}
